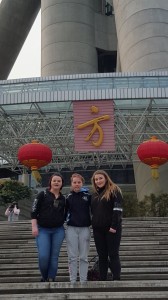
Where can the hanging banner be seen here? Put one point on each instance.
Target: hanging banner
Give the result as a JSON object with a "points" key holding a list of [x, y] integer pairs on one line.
{"points": [[94, 125]]}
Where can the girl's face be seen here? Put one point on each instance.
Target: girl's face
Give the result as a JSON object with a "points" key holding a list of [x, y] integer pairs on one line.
{"points": [[100, 180], [56, 182], [76, 184]]}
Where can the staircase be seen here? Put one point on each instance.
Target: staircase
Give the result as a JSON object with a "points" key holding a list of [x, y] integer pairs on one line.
{"points": [[144, 259]]}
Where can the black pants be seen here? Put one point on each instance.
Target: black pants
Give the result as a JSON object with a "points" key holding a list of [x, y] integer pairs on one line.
{"points": [[107, 246]]}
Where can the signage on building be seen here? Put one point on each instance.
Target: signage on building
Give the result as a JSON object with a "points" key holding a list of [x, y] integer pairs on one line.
{"points": [[94, 125]]}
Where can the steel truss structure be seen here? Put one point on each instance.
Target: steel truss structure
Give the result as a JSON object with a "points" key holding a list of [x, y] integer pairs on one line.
{"points": [[47, 116]]}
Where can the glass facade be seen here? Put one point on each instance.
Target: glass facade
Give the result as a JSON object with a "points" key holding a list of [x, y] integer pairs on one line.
{"points": [[98, 83]]}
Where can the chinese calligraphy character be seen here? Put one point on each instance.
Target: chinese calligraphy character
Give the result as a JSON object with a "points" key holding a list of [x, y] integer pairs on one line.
{"points": [[96, 127]]}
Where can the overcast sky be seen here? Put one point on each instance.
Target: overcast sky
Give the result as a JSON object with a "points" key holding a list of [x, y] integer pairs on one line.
{"points": [[28, 63]]}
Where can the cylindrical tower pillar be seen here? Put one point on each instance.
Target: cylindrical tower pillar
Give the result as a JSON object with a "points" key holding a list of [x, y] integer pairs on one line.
{"points": [[16, 19], [142, 31], [68, 41]]}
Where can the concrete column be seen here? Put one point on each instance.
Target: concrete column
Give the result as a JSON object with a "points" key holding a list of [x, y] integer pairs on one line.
{"points": [[68, 41], [16, 19], [145, 184], [142, 31]]}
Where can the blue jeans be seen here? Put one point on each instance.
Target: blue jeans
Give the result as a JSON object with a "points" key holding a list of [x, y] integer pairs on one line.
{"points": [[49, 242]]}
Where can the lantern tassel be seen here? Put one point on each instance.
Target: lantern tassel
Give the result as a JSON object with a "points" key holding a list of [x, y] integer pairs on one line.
{"points": [[155, 173], [36, 175]]}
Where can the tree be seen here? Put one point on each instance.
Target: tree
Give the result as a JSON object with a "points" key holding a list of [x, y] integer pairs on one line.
{"points": [[13, 190]]}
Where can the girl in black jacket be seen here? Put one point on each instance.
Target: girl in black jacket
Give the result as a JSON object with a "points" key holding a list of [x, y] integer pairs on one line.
{"points": [[78, 228], [47, 215], [106, 208]]}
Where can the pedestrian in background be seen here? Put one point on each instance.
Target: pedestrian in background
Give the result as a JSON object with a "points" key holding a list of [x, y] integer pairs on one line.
{"points": [[48, 212], [12, 212], [106, 208]]}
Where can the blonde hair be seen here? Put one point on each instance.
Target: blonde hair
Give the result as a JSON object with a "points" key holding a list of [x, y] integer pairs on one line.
{"points": [[77, 175], [110, 187]]}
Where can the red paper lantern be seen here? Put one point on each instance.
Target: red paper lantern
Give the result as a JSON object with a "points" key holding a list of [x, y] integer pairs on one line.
{"points": [[34, 156], [154, 153]]}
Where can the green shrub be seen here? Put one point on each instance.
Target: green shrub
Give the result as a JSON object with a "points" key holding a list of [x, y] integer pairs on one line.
{"points": [[130, 204], [163, 205], [13, 190], [145, 207], [150, 206]]}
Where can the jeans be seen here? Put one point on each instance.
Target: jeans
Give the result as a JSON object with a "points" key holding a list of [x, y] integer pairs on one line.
{"points": [[49, 242]]}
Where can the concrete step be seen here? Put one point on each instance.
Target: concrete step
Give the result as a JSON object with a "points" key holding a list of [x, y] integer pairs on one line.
{"points": [[91, 296], [63, 266], [155, 245], [65, 279], [33, 271], [124, 244], [154, 285], [92, 290], [124, 259]]}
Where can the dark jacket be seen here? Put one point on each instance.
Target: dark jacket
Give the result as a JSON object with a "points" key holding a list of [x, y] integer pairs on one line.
{"points": [[106, 213], [45, 212], [78, 209]]}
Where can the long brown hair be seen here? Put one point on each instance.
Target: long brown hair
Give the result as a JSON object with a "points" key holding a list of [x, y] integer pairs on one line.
{"points": [[110, 187]]}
